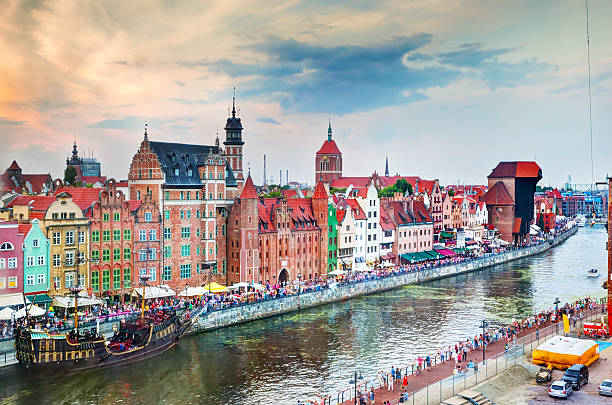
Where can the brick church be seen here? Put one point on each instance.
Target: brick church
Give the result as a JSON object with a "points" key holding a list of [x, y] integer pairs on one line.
{"points": [[187, 183]]}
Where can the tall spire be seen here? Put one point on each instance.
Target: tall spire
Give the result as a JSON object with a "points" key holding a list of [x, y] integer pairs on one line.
{"points": [[234, 104], [386, 166], [146, 133], [329, 131]]}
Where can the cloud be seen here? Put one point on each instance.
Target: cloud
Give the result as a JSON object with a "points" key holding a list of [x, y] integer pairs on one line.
{"points": [[129, 122], [180, 83], [120, 62], [188, 101], [6, 121], [268, 120]]}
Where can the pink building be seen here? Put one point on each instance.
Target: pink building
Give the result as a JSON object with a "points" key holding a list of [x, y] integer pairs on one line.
{"points": [[11, 258]]}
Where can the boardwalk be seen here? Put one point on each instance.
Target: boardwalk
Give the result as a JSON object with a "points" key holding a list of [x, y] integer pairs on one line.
{"points": [[441, 371]]}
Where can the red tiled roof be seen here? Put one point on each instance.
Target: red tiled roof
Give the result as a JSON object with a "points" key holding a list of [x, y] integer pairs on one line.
{"points": [[121, 183], [319, 191], [82, 196], [134, 205], [329, 147], [498, 195], [340, 215], [517, 169], [302, 216], [290, 193], [357, 211], [265, 210], [249, 190], [94, 179], [23, 229], [385, 221], [37, 215], [344, 182], [35, 202], [14, 166], [517, 225]]}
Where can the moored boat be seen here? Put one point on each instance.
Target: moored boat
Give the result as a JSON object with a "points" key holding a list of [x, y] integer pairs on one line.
{"points": [[593, 273]]}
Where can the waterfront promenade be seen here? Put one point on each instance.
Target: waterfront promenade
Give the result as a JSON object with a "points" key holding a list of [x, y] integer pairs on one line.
{"points": [[440, 382]]}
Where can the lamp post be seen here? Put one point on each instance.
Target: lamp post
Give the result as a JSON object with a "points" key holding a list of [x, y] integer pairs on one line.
{"points": [[299, 288], [556, 314], [354, 381], [483, 325]]}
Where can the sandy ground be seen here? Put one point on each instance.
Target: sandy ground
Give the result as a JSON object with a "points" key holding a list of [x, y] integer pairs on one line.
{"points": [[517, 385]]}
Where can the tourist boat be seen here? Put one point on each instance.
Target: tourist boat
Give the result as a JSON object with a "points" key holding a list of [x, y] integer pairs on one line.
{"points": [[150, 334], [593, 273]]}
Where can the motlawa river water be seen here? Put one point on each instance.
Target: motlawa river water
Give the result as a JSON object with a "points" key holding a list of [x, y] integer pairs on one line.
{"points": [[297, 356]]}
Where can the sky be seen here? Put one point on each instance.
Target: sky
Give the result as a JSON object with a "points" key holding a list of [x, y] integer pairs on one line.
{"points": [[443, 88]]}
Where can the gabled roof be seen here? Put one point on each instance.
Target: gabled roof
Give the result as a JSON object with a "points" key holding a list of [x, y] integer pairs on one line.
{"points": [[290, 193], [249, 190], [83, 197], [498, 195], [329, 146], [319, 191], [134, 205], [302, 217], [35, 202], [14, 166], [24, 228], [517, 169], [358, 213], [340, 215]]}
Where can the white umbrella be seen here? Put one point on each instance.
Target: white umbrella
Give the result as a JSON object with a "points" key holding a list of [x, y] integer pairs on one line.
{"points": [[33, 310], [336, 272], [6, 314], [239, 285], [193, 291], [258, 286]]}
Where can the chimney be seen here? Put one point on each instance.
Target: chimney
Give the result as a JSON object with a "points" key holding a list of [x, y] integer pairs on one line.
{"points": [[405, 204], [411, 205]]}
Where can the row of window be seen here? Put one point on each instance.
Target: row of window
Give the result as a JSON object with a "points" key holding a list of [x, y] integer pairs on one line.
{"points": [[32, 261], [106, 235], [186, 195], [35, 280], [11, 261], [117, 281], [12, 282], [69, 281], [69, 237]]}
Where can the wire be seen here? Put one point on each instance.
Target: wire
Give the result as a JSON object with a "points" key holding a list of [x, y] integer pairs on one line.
{"points": [[586, 3]]}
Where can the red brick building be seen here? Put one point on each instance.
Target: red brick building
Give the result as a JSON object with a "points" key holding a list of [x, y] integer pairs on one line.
{"points": [[510, 198], [273, 239], [328, 160], [148, 234], [188, 183]]}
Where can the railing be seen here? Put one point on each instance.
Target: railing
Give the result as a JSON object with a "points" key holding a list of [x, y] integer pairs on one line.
{"points": [[7, 358]]}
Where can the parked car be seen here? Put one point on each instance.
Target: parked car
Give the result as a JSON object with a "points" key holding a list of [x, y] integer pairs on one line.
{"points": [[560, 389], [605, 388], [577, 375]]}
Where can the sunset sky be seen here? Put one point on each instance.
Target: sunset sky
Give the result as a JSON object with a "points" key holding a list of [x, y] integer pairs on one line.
{"points": [[444, 88]]}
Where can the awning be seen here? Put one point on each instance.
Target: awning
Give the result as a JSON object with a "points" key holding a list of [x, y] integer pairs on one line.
{"points": [[517, 225], [446, 252], [12, 299], [412, 257], [68, 302], [33, 310], [433, 254], [6, 314], [154, 292], [39, 298], [214, 287], [387, 256], [446, 235], [193, 292]]}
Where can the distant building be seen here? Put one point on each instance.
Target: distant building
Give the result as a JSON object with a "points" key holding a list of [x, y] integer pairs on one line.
{"points": [[509, 198], [328, 160], [13, 180], [88, 170], [36, 262]]}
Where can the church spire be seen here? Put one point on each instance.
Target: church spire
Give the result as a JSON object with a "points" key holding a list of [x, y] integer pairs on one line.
{"points": [[386, 166], [234, 104], [146, 133], [329, 131]]}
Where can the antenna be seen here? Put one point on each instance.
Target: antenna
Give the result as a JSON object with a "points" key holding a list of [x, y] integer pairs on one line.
{"points": [[264, 179], [586, 3]]}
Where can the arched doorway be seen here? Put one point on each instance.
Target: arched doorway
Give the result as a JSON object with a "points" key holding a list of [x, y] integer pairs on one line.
{"points": [[283, 276]]}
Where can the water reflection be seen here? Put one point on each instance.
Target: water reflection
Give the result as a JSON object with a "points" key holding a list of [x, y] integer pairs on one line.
{"points": [[300, 355]]}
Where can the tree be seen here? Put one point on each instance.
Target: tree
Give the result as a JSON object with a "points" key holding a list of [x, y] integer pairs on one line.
{"points": [[451, 192], [70, 174]]}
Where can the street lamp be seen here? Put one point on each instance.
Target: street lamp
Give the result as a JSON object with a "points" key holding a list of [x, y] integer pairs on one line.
{"points": [[556, 314], [354, 381], [299, 283], [483, 325], [75, 290]]}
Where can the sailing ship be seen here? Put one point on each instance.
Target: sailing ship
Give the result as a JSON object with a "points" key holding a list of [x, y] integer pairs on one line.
{"points": [[150, 334]]}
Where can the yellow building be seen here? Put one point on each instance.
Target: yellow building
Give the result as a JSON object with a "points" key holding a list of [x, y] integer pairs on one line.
{"points": [[68, 232]]}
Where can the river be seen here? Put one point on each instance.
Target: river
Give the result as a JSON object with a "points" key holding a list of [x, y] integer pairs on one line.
{"points": [[296, 356]]}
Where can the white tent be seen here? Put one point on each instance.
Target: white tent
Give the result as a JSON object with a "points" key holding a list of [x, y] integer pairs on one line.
{"points": [[6, 314], [12, 299], [239, 285], [336, 272], [33, 310], [193, 292], [154, 292], [68, 302]]}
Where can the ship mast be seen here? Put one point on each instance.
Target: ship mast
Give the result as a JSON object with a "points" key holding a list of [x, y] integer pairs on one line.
{"points": [[143, 280]]}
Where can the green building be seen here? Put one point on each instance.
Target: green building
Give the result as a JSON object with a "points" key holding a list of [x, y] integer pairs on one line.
{"points": [[332, 244], [36, 265]]}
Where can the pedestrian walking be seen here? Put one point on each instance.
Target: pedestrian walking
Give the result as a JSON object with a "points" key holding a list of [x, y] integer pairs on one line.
{"points": [[389, 383]]}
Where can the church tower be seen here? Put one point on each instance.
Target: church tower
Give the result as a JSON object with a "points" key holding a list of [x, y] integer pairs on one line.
{"points": [[234, 143], [328, 160]]}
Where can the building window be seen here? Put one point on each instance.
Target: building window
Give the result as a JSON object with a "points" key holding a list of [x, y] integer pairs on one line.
{"points": [[152, 254], [41, 260], [182, 196], [153, 273], [185, 232], [142, 255], [166, 195], [116, 254], [188, 214], [40, 279], [138, 194], [105, 217], [57, 283], [167, 233], [57, 238], [185, 250], [127, 253], [106, 236], [105, 255], [106, 280], [95, 281], [69, 279], [116, 279], [167, 214], [117, 216], [57, 260], [116, 235], [30, 279], [127, 278], [35, 243], [167, 276], [182, 214], [69, 258], [167, 251], [197, 195], [95, 236], [95, 255], [127, 234], [30, 261], [148, 217], [70, 238], [188, 195], [153, 234], [185, 271], [142, 235]]}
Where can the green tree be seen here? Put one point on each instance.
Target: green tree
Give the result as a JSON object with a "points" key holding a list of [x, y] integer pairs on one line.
{"points": [[451, 192], [70, 174]]}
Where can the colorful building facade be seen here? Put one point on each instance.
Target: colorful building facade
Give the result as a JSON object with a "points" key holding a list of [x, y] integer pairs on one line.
{"points": [[11, 259], [36, 274]]}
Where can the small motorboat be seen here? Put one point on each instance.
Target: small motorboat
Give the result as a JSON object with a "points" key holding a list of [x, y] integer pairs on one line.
{"points": [[593, 273]]}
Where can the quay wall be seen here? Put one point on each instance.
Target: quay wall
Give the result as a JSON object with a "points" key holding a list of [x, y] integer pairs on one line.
{"points": [[250, 312]]}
